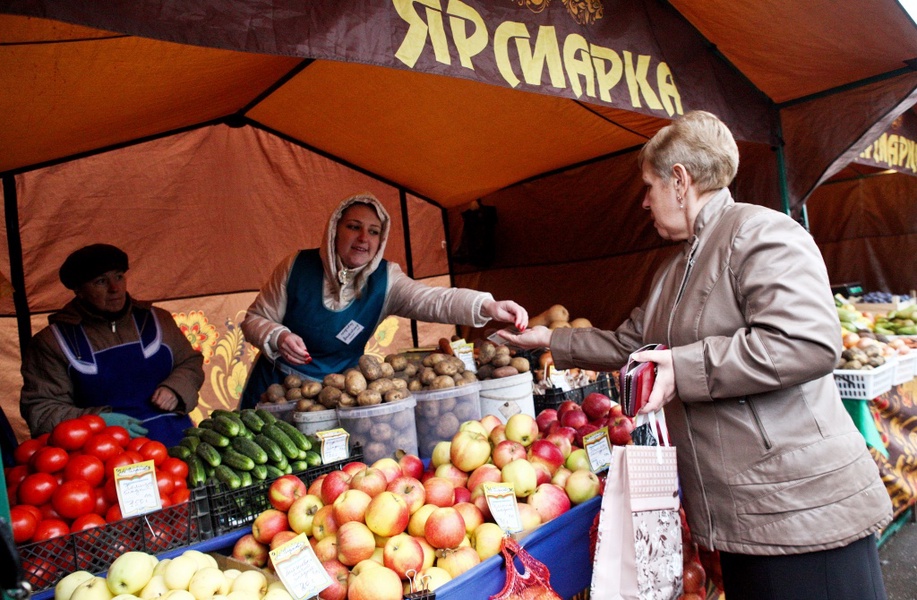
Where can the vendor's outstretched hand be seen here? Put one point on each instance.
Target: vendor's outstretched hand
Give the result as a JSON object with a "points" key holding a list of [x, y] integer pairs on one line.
{"points": [[293, 349], [506, 311], [536, 337]]}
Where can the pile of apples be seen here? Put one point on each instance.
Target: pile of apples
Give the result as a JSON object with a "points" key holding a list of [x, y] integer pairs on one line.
{"points": [[382, 528], [193, 575]]}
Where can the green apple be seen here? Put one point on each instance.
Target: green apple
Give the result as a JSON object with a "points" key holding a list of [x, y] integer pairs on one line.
{"points": [[130, 572], [64, 588]]}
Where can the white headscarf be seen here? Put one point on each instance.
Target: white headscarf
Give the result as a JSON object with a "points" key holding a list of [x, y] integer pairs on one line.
{"points": [[336, 276]]}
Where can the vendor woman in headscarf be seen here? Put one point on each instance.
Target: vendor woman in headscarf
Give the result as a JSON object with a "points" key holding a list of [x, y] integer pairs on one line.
{"points": [[319, 308], [108, 354]]}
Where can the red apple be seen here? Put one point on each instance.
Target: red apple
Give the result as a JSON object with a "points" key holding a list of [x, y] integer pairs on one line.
{"points": [[354, 467], [323, 523], [390, 467], [403, 553], [565, 406], [419, 519], [480, 500], [528, 516], [302, 512], [619, 430], [489, 422], [471, 514], [380, 583], [574, 419], [411, 489], [563, 444], [506, 452], [545, 418], [339, 575], [458, 560], [387, 514], [596, 406], [285, 490], [486, 472], [462, 494], [546, 453], [334, 484], [268, 524], [456, 476], [355, 543], [439, 491], [411, 465], [542, 474], [469, 450], [282, 538], [315, 488], [350, 506], [581, 485], [326, 548], [522, 428], [249, 550], [616, 410], [497, 434], [444, 528], [583, 432], [549, 501], [560, 476], [370, 480]]}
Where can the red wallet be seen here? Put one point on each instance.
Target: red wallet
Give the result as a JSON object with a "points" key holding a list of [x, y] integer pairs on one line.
{"points": [[636, 381]]}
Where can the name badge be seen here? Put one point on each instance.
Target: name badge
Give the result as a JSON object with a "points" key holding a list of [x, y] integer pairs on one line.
{"points": [[350, 331]]}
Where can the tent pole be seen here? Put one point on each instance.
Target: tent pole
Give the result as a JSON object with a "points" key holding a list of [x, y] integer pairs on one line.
{"points": [[781, 169], [408, 255], [17, 274]]}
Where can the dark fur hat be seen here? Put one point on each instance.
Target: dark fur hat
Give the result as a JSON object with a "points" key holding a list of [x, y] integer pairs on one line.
{"points": [[89, 262]]}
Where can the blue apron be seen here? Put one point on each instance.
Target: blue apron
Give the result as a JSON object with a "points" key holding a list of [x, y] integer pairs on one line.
{"points": [[335, 339], [124, 377]]}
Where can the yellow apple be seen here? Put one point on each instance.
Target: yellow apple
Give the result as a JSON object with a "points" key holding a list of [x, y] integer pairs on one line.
{"points": [[64, 588]]}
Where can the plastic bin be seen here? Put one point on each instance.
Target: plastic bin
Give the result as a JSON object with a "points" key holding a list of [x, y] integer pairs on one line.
{"points": [[864, 384], [382, 429], [439, 413], [508, 396], [552, 398], [282, 410], [310, 422], [906, 368]]}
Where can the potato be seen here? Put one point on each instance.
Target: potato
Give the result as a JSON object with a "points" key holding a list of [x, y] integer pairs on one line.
{"points": [[368, 398], [520, 364], [581, 322], [501, 360], [311, 389], [275, 391], [369, 366], [441, 382], [558, 313], [399, 384], [335, 380], [304, 405], [293, 394], [347, 400], [381, 385], [427, 376], [486, 352], [395, 395], [354, 382], [381, 432], [292, 381], [485, 372], [506, 371], [330, 396], [431, 359], [445, 367], [316, 408], [414, 385], [398, 361], [387, 370], [410, 370], [558, 324]]}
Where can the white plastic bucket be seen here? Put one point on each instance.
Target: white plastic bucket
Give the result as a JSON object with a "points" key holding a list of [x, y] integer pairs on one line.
{"points": [[507, 396], [310, 422]]}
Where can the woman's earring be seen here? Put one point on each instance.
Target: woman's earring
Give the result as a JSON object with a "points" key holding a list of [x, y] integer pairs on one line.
{"points": [[681, 201]]}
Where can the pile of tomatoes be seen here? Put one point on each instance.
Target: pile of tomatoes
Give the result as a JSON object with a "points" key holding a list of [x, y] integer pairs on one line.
{"points": [[63, 482]]}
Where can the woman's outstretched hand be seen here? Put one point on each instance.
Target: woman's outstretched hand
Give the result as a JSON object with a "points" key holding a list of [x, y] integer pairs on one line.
{"points": [[506, 311], [536, 337], [292, 348]]}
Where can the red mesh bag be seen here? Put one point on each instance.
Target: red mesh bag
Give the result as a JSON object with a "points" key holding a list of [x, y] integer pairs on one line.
{"points": [[532, 584]]}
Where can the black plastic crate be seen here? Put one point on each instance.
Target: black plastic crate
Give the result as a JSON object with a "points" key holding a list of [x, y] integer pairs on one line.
{"points": [[553, 397], [45, 563], [227, 509]]}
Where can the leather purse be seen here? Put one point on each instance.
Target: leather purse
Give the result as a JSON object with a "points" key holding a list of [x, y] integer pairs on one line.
{"points": [[636, 381]]}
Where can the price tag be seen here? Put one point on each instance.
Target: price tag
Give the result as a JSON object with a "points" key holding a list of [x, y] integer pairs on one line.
{"points": [[598, 449], [299, 569], [335, 445], [558, 378], [501, 500], [465, 352], [137, 490]]}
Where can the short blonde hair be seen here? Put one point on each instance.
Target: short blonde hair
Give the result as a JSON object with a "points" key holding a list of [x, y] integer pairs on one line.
{"points": [[699, 141]]}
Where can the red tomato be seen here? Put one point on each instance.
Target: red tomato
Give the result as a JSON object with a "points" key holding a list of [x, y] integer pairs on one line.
{"points": [[135, 443], [110, 491], [36, 489], [50, 528], [180, 484], [96, 422], [15, 475], [87, 522], [113, 514], [102, 445], [25, 450], [128, 457], [154, 451], [165, 499], [49, 460], [119, 433], [74, 499], [32, 509], [86, 467], [175, 467], [48, 512], [24, 522], [70, 434], [164, 483], [102, 502], [180, 495]]}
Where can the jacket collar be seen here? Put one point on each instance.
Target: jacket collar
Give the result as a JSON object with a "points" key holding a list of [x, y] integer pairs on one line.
{"points": [[712, 210]]}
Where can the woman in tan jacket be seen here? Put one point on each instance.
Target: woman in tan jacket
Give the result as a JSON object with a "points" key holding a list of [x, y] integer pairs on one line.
{"points": [[774, 473]]}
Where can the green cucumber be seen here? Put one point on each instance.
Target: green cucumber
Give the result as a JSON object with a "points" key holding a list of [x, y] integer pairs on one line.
{"points": [[190, 442], [208, 454], [251, 420], [180, 452], [197, 474], [298, 437], [270, 447], [313, 458], [250, 449], [227, 477], [273, 472], [227, 426], [206, 424], [288, 446], [298, 466], [259, 472], [215, 439], [192, 431], [236, 460], [246, 477], [266, 415]]}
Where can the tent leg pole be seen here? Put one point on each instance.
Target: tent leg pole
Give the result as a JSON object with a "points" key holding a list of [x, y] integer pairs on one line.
{"points": [[17, 274], [408, 254]]}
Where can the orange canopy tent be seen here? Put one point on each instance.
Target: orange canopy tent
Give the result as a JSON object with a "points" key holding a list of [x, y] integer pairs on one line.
{"points": [[211, 138]]}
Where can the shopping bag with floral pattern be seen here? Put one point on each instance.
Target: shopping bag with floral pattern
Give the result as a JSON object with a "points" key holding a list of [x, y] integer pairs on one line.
{"points": [[638, 553]]}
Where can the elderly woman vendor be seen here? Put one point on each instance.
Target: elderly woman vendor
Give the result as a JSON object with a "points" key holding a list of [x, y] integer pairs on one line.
{"points": [[109, 354], [320, 307]]}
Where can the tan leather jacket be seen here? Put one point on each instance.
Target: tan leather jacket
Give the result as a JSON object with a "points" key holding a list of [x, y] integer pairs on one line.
{"points": [[769, 460]]}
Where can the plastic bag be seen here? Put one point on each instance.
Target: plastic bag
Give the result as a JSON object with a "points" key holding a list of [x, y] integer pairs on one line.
{"points": [[533, 584]]}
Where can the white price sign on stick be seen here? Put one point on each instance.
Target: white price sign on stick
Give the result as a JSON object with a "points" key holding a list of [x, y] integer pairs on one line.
{"points": [[299, 569]]}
